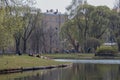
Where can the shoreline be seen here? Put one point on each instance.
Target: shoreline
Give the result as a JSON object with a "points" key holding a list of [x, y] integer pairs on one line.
{"points": [[49, 66], [16, 70]]}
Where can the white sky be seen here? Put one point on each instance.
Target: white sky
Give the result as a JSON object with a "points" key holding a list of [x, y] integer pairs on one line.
{"points": [[62, 4]]}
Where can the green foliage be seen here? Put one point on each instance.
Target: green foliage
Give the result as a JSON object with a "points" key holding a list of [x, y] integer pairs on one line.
{"points": [[69, 32], [100, 21], [69, 28], [88, 21], [91, 44], [107, 50], [114, 23], [5, 35]]}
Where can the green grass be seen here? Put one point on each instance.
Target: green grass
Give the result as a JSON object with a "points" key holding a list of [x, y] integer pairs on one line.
{"points": [[69, 56], [8, 62], [78, 56]]}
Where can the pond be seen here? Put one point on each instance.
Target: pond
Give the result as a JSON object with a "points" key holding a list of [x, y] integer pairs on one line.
{"points": [[80, 70]]}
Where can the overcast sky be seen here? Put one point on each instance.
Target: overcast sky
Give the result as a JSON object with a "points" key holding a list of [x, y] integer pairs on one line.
{"points": [[62, 4]]}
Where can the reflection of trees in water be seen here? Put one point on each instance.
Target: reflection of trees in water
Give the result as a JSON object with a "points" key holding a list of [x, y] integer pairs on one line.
{"points": [[96, 72], [80, 72], [83, 71], [109, 72], [56, 74]]}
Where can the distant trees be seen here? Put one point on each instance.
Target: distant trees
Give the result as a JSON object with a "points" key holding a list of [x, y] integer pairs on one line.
{"points": [[17, 22], [90, 22], [99, 21], [114, 23], [23, 29], [117, 5], [5, 36]]}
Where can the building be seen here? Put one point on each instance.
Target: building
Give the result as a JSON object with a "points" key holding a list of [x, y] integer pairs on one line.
{"points": [[117, 10], [53, 20]]}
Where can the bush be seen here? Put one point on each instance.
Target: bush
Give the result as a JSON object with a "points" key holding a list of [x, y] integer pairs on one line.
{"points": [[106, 51]]}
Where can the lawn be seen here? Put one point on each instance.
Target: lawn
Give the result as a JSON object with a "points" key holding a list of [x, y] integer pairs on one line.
{"points": [[79, 56], [69, 56], [8, 62]]}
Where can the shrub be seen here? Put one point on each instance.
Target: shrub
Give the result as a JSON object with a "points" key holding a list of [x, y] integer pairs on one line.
{"points": [[106, 51]]}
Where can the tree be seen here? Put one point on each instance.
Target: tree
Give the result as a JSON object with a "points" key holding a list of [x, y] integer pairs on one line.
{"points": [[88, 22], [30, 21], [114, 27], [17, 27], [11, 21], [73, 7], [117, 5], [80, 25], [36, 39], [5, 36], [91, 44], [83, 21], [70, 33], [100, 21]]}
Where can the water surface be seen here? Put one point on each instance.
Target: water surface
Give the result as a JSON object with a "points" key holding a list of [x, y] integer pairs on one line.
{"points": [[104, 61]]}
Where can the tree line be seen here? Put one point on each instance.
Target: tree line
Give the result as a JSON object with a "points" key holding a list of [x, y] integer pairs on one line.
{"points": [[90, 26], [21, 27]]}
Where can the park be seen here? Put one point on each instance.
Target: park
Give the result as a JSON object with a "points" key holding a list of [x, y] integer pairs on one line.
{"points": [[82, 43]]}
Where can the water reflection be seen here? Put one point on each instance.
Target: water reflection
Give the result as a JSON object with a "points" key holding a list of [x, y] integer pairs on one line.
{"points": [[76, 72], [96, 72]]}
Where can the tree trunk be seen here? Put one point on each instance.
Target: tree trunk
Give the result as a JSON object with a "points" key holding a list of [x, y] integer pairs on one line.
{"points": [[3, 50], [37, 48], [50, 44], [44, 44], [24, 45], [119, 47], [77, 48], [18, 46]]}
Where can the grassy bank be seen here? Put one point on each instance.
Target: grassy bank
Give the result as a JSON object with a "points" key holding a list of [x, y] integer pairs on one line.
{"points": [[8, 62], [79, 56], [69, 56]]}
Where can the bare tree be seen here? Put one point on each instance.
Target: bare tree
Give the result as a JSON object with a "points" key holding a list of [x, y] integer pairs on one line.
{"points": [[117, 4], [36, 38]]}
